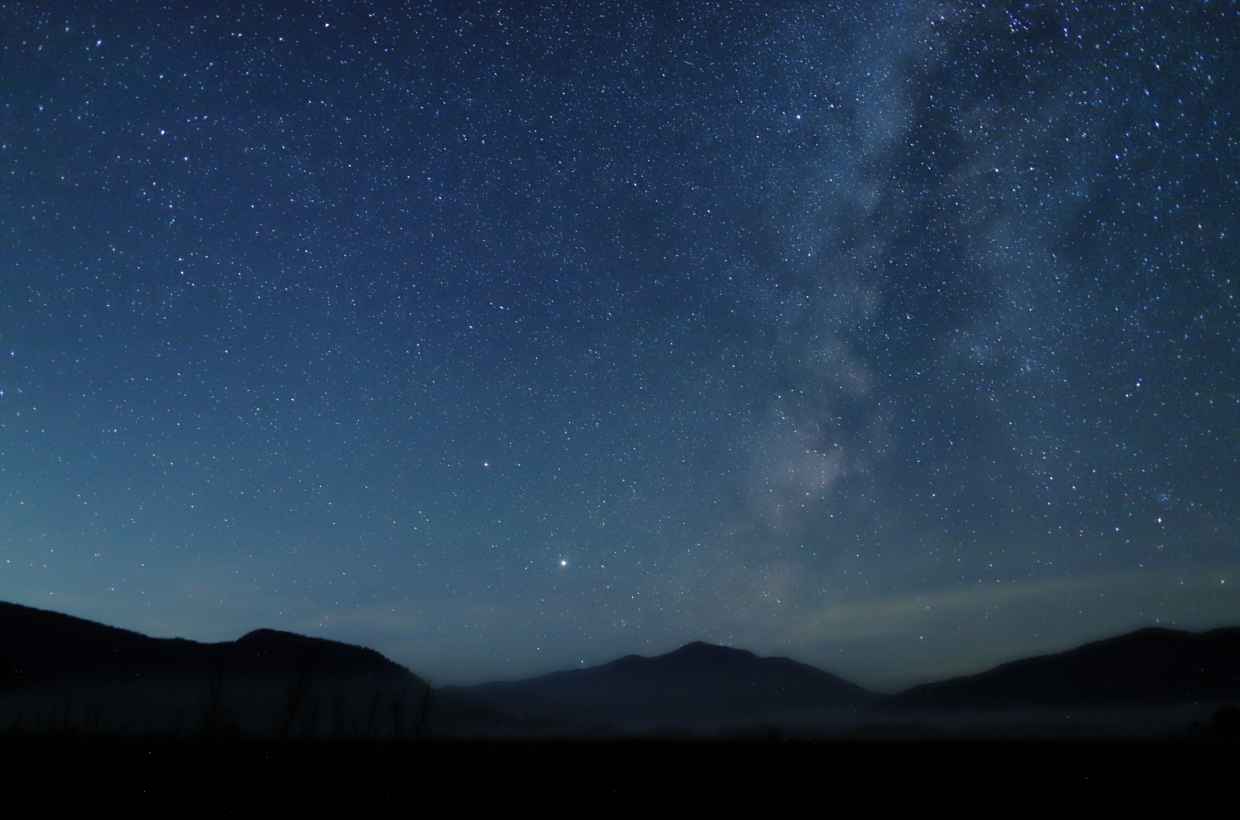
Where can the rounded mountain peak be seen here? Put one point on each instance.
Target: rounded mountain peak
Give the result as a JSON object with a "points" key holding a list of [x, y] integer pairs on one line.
{"points": [[702, 649]]}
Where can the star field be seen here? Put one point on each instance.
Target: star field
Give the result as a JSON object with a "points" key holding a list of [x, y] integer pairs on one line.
{"points": [[897, 337]]}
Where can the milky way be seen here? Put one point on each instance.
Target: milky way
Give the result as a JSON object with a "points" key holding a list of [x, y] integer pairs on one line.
{"points": [[897, 337]]}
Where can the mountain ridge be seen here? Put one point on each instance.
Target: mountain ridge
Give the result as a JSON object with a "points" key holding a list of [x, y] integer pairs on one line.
{"points": [[28, 632], [697, 681], [1151, 665], [56, 669], [49, 659]]}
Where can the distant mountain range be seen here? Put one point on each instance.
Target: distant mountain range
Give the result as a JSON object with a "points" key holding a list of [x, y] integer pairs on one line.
{"points": [[41, 647], [698, 682], [1150, 667], [60, 672]]}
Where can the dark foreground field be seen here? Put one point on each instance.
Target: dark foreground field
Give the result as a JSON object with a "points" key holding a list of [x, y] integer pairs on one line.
{"points": [[466, 772]]}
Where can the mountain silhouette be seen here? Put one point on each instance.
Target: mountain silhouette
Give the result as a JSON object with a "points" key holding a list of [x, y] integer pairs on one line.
{"points": [[39, 647], [1149, 667], [58, 672], [697, 682], [58, 668]]}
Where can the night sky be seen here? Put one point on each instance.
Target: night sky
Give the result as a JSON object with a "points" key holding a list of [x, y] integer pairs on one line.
{"points": [[899, 338]]}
